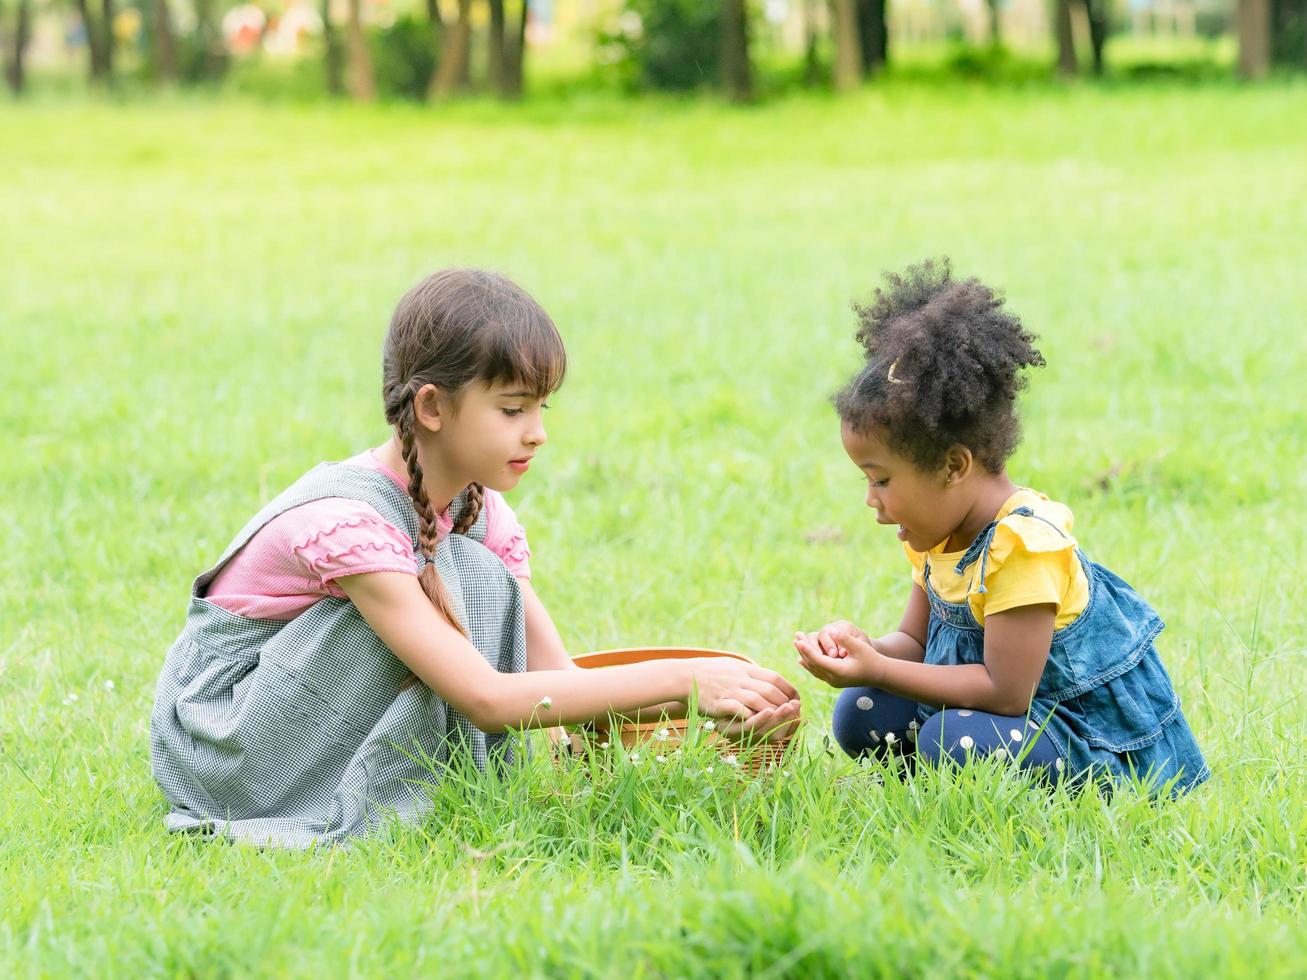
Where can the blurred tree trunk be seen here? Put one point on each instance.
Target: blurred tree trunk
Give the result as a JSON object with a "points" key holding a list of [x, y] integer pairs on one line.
{"points": [[495, 48], [99, 40], [451, 71], [513, 75], [1066, 39], [359, 75], [15, 68], [995, 24], [848, 46], [736, 75], [811, 66], [436, 22], [163, 42], [1098, 13], [1253, 20], [874, 33], [212, 58], [1288, 30], [333, 56], [107, 41]]}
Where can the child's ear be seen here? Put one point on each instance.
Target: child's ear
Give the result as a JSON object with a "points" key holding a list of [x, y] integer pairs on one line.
{"points": [[958, 464], [429, 408]]}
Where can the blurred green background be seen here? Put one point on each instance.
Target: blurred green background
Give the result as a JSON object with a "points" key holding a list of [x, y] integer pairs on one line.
{"points": [[437, 50], [194, 279]]}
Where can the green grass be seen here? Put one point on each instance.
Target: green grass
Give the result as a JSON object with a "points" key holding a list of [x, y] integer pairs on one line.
{"points": [[192, 296]]}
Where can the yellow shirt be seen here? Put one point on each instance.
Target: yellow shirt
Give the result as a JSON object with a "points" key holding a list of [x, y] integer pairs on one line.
{"points": [[1029, 563]]}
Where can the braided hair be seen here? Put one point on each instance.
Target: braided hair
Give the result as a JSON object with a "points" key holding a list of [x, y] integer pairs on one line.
{"points": [[455, 327], [944, 362]]}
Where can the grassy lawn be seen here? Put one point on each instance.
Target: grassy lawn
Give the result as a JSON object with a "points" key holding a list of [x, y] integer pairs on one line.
{"points": [[192, 297]]}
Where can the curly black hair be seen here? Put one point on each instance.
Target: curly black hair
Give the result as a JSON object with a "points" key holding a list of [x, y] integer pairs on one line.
{"points": [[944, 362]]}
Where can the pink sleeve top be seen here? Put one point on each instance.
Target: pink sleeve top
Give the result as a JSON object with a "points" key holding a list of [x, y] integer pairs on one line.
{"points": [[295, 559]]}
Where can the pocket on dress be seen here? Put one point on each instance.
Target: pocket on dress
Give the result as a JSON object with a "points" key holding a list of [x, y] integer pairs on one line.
{"points": [[210, 698], [286, 754]]}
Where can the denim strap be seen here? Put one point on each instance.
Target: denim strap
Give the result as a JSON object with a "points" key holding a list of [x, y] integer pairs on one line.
{"points": [[980, 547]]}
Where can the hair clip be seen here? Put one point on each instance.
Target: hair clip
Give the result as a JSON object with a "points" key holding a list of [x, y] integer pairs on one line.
{"points": [[890, 376]]}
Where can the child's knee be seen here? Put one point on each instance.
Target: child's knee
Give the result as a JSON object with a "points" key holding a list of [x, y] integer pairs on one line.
{"points": [[950, 734], [958, 734], [849, 722], [869, 720]]}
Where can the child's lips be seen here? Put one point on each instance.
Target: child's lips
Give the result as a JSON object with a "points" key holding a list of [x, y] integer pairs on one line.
{"points": [[903, 531], [520, 465]]}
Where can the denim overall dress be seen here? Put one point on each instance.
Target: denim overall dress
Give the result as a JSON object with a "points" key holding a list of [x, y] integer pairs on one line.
{"points": [[1104, 697], [293, 732]]}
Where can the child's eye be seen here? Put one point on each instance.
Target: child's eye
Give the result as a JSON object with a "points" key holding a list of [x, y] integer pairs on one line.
{"points": [[878, 483], [512, 411]]}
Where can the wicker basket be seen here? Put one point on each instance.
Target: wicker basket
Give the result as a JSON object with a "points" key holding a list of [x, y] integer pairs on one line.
{"points": [[754, 759]]}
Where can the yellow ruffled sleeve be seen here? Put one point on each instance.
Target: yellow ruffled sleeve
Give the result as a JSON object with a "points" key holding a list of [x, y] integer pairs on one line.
{"points": [[1030, 563]]}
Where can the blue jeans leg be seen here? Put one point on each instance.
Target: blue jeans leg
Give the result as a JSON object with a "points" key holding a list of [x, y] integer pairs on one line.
{"points": [[869, 721], [960, 735]]}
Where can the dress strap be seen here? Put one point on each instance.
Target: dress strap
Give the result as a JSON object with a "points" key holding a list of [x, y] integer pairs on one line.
{"points": [[980, 547]]}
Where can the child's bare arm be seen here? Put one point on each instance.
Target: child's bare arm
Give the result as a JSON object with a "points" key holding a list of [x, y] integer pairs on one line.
{"points": [[908, 642], [396, 608], [544, 645], [1016, 648]]}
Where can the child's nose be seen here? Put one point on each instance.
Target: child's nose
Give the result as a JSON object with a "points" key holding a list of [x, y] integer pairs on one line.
{"points": [[537, 436]]}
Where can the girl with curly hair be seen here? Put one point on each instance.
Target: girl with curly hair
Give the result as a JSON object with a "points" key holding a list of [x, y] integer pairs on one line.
{"points": [[1013, 644]]}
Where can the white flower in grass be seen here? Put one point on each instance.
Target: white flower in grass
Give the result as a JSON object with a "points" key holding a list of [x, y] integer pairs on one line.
{"points": [[731, 760], [635, 757], [662, 734], [890, 738], [72, 695], [108, 685], [603, 745], [546, 702], [708, 769], [708, 725], [660, 758]]}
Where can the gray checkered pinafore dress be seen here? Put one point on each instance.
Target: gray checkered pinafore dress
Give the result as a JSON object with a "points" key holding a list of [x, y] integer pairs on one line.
{"points": [[290, 732]]}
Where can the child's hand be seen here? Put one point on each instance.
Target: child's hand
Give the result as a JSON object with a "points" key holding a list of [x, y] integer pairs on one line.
{"points": [[771, 724], [825, 636], [852, 662], [730, 688]]}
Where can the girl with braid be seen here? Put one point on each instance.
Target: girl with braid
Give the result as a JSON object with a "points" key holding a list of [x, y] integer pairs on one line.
{"points": [[377, 619], [1013, 644]]}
